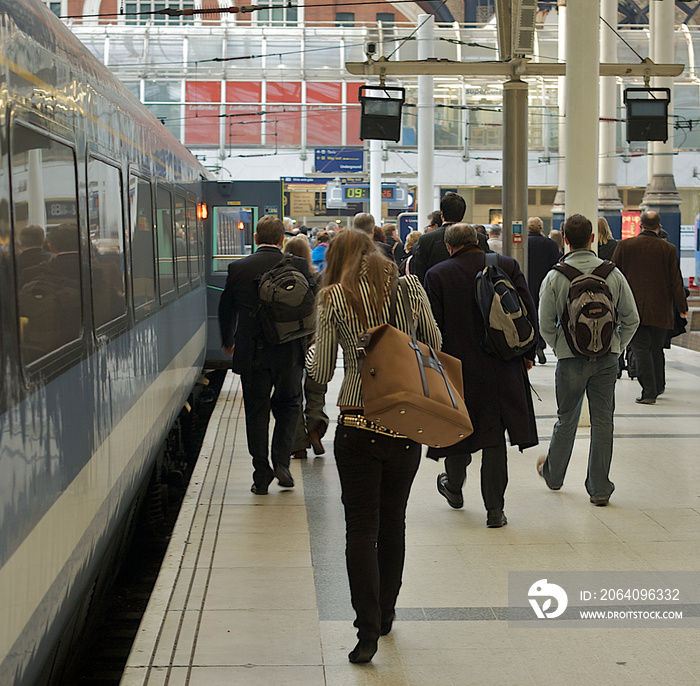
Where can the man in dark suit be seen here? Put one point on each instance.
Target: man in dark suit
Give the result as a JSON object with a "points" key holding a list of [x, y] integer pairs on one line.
{"points": [[542, 255], [496, 391], [271, 374], [653, 271], [431, 248]]}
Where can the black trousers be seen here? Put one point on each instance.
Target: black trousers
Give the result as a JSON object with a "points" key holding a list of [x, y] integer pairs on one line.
{"points": [[376, 473], [648, 347], [278, 390], [494, 473]]}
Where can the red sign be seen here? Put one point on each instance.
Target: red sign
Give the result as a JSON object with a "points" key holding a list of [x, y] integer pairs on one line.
{"points": [[630, 223]]}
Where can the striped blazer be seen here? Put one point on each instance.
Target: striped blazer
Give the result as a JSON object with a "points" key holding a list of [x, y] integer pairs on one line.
{"points": [[337, 323]]}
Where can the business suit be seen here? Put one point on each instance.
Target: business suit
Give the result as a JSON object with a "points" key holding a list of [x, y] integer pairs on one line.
{"points": [[431, 249], [271, 374]]}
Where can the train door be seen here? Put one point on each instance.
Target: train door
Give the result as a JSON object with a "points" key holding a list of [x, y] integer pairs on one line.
{"points": [[232, 211]]}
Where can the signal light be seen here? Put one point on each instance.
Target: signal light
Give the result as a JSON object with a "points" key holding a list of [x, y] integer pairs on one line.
{"points": [[202, 212]]}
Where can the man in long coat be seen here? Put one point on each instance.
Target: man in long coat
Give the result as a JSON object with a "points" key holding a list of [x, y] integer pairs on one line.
{"points": [[651, 266], [542, 255], [496, 391]]}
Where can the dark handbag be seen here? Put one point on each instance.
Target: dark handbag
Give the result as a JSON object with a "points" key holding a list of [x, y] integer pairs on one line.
{"points": [[408, 387]]}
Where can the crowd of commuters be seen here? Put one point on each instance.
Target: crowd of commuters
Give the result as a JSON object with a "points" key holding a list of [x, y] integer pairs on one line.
{"points": [[353, 271]]}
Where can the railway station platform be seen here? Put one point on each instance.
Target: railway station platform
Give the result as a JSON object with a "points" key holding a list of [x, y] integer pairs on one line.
{"points": [[253, 590]]}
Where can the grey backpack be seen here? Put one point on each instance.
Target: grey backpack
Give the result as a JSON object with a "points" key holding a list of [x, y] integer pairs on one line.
{"points": [[590, 317]]}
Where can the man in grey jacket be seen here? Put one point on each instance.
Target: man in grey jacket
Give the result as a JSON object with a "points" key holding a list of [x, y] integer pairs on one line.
{"points": [[575, 375]]}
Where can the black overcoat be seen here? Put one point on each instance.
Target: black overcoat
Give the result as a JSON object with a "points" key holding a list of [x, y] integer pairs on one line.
{"points": [[542, 255], [496, 392]]}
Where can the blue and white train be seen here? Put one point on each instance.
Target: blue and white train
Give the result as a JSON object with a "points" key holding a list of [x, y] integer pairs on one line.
{"points": [[97, 367]]}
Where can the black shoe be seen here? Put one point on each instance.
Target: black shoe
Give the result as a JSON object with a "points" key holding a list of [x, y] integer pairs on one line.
{"points": [[284, 476], [540, 356], [258, 490], [363, 652], [645, 401], [386, 625], [454, 499], [600, 502], [495, 519]]}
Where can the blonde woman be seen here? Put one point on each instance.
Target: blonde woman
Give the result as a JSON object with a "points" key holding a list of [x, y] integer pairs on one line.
{"points": [[606, 242], [376, 466], [411, 241]]}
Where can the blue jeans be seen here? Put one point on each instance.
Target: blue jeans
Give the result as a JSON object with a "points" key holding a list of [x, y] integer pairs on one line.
{"points": [[596, 378]]}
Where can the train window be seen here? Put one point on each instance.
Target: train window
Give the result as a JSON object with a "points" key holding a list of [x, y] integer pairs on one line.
{"points": [[43, 177], [164, 235], [143, 263], [193, 246], [181, 241], [106, 225], [233, 234]]}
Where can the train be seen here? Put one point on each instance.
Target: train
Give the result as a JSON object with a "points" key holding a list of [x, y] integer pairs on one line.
{"points": [[102, 326]]}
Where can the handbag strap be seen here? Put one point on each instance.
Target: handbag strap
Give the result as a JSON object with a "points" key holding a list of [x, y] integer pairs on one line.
{"points": [[424, 361], [406, 307], [392, 301]]}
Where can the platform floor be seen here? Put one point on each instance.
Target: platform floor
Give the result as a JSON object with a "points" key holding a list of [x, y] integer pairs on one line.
{"points": [[253, 590]]}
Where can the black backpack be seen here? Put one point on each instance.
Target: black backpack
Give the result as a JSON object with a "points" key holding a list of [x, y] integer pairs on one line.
{"points": [[509, 333], [286, 303], [590, 317]]}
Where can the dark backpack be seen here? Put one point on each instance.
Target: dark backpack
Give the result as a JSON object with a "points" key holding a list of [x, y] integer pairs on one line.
{"points": [[590, 317], [509, 333], [286, 310]]}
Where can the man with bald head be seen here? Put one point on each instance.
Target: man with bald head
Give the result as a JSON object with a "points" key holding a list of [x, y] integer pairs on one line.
{"points": [[653, 271]]}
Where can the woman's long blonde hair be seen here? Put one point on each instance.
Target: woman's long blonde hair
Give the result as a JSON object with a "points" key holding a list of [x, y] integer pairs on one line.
{"points": [[346, 254], [604, 233]]}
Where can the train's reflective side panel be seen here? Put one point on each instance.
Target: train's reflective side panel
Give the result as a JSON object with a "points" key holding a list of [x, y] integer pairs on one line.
{"points": [[74, 461], [82, 421]]}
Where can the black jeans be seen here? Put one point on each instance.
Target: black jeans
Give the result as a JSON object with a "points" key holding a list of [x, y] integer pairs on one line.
{"points": [[376, 473], [648, 347], [494, 473], [277, 390]]}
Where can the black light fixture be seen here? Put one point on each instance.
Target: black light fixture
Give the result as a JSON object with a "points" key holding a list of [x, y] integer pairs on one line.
{"points": [[380, 117], [647, 113]]}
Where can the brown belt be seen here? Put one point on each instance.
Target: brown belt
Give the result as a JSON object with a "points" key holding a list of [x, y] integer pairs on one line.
{"points": [[357, 421]]}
